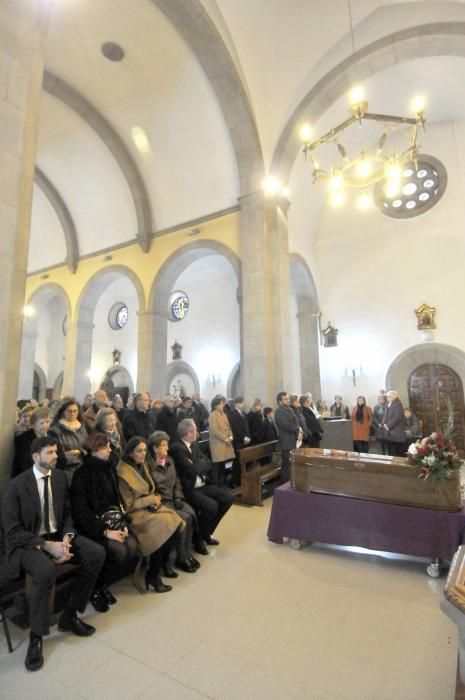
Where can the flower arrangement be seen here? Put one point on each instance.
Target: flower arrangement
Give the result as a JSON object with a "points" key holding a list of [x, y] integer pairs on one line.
{"points": [[436, 455]]}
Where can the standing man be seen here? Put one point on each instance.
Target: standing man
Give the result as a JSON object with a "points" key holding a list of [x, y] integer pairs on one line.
{"points": [[394, 426], [289, 432], [39, 533], [89, 416], [241, 437], [140, 421]]}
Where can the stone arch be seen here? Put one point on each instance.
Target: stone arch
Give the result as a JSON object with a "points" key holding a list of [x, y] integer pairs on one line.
{"points": [[118, 376], [78, 383], [38, 300], [57, 387], [433, 39], [403, 365], [200, 33], [158, 302], [308, 315], [64, 216], [180, 367], [59, 89], [42, 381], [234, 382]]}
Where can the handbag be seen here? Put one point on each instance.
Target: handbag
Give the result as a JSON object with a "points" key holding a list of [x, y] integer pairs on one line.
{"points": [[114, 519]]}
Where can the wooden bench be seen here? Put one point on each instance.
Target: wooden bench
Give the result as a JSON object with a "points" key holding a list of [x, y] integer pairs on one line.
{"points": [[256, 470]]}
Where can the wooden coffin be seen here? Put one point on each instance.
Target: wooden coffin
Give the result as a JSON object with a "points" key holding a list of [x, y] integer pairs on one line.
{"points": [[371, 477]]}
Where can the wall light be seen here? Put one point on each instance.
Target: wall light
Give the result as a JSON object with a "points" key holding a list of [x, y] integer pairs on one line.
{"points": [[28, 311]]}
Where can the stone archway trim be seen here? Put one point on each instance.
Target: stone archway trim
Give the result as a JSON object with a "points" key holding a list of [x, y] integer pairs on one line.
{"points": [[43, 381], [434, 39], [59, 89], [401, 368], [48, 290], [181, 367], [195, 25], [98, 282], [64, 216]]}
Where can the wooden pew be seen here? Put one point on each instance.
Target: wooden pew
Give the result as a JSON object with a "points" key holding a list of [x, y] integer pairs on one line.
{"points": [[256, 470]]}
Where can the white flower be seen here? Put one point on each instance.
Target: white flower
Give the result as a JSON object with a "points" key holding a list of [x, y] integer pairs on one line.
{"points": [[412, 450], [429, 460]]}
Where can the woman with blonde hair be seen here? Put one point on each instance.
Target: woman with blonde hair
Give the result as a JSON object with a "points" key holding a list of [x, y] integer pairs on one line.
{"points": [[221, 438]]}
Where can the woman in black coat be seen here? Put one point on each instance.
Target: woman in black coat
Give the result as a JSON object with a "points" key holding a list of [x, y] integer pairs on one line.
{"points": [[315, 431], [94, 490]]}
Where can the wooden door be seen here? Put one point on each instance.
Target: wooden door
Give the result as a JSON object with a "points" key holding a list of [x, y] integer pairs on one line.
{"points": [[429, 388]]}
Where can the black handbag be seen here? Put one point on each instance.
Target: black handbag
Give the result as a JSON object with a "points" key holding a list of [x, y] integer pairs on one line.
{"points": [[114, 519]]}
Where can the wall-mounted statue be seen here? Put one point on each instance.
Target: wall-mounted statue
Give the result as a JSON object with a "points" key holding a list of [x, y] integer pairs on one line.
{"points": [[329, 336], [176, 349], [425, 317]]}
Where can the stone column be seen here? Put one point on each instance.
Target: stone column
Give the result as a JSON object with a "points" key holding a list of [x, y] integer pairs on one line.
{"points": [[28, 352], [78, 356], [265, 297], [145, 350], [22, 32], [309, 352]]}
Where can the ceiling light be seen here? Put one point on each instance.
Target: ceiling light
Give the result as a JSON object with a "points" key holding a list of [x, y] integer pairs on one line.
{"points": [[306, 133], [271, 186], [356, 95], [337, 198], [364, 201], [140, 140], [418, 104]]}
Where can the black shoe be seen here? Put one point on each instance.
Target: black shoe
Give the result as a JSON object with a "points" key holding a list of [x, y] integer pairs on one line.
{"points": [[109, 597], [75, 625], [211, 540], [34, 659], [201, 548], [169, 572], [194, 562], [185, 566], [99, 601], [157, 584]]}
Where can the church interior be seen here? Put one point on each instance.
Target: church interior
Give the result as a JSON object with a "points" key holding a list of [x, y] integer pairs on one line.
{"points": [[173, 221]]}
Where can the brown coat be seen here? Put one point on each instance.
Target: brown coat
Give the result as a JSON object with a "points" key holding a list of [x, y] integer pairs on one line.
{"points": [[361, 431], [218, 430], [150, 529]]}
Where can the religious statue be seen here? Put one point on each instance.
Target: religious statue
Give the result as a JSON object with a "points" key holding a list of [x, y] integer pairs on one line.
{"points": [[425, 317], [116, 356], [176, 349], [330, 336]]}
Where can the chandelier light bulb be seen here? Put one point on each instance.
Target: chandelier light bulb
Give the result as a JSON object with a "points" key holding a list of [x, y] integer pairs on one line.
{"points": [[306, 133], [28, 311], [336, 182], [393, 171], [271, 186], [364, 167], [357, 95], [286, 192], [337, 198], [364, 201], [418, 104]]}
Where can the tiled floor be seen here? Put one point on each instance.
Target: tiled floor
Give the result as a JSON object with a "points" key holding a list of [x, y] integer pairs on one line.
{"points": [[257, 621]]}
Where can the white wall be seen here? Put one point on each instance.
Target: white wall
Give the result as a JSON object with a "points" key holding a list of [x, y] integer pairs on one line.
{"points": [[50, 345], [209, 333], [105, 339], [294, 340], [47, 241]]}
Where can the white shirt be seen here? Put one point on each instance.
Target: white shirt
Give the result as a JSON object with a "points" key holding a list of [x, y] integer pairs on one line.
{"points": [[40, 487]]}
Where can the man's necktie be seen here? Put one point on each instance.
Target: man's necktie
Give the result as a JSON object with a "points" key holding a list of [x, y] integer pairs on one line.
{"points": [[46, 506]]}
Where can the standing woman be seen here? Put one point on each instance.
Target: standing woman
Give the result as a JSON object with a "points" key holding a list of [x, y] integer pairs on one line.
{"points": [[362, 417], [154, 526], [221, 438], [378, 420], [314, 429], [71, 434], [96, 500]]}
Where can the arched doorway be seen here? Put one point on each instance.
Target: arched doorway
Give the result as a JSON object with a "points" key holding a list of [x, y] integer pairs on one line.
{"points": [[432, 388], [117, 380]]}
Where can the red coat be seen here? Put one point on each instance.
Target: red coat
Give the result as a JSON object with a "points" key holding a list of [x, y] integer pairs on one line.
{"points": [[361, 431]]}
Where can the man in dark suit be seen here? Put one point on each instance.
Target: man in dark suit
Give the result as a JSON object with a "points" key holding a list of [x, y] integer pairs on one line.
{"points": [[210, 502], [39, 533], [289, 432], [241, 436]]}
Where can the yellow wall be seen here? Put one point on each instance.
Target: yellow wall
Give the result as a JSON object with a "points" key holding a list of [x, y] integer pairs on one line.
{"points": [[145, 266]]}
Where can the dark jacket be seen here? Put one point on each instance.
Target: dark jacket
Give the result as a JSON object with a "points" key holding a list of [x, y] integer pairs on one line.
{"points": [[269, 431], [21, 514], [395, 420], [23, 453], [378, 419], [189, 465], [141, 423], [94, 490], [202, 414], [239, 427], [167, 481], [256, 423], [315, 431], [167, 421], [301, 420], [288, 427]]}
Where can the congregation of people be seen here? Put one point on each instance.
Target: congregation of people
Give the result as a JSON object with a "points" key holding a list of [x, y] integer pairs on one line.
{"points": [[113, 487]]}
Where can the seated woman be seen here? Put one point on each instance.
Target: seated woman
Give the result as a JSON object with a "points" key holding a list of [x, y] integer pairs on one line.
{"points": [[95, 492], [170, 490], [362, 418], [154, 526], [106, 421], [68, 428]]}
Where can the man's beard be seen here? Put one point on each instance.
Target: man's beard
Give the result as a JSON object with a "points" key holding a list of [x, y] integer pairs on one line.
{"points": [[46, 465]]}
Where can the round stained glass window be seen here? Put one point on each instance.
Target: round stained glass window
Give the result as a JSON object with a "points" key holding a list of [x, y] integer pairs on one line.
{"points": [[422, 185], [179, 306], [118, 316]]}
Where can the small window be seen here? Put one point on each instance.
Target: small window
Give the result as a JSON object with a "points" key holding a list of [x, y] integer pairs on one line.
{"points": [[423, 184]]}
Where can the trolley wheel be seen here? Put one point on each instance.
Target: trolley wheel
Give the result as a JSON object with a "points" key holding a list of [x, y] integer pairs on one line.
{"points": [[298, 544], [434, 569]]}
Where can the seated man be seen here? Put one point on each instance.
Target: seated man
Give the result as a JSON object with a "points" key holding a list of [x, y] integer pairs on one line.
{"points": [[39, 533], [40, 426], [209, 501]]}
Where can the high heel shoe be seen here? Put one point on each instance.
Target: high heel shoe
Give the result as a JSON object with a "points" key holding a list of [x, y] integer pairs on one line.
{"points": [[156, 583]]}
